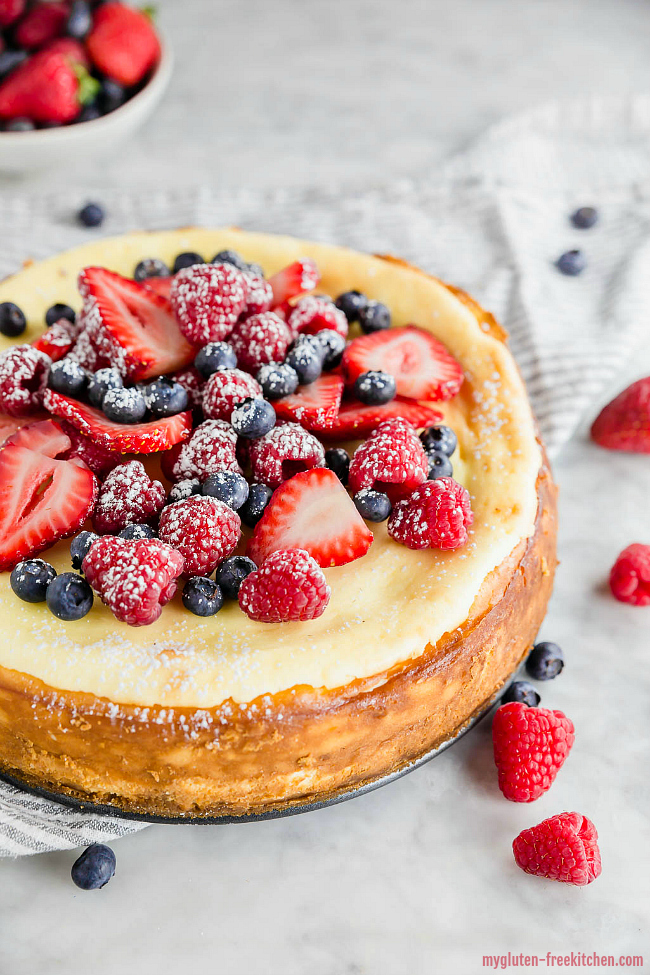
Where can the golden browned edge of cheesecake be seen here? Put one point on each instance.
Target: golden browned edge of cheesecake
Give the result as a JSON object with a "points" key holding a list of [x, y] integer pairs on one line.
{"points": [[292, 748]]}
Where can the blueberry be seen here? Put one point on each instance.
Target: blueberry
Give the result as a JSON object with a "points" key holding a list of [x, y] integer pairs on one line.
{"points": [[79, 20], [30, 579], [80, 546], [69, 596], [94, 868], [215, 356], [571, 263], [10, 60], [136, 533], [202, 596], [332, 345], [439, 438], [59, 311], [68, 377], [150, 267], [523, 691], [256, 269], [164, 397], [253, 417], [352, 303], [375, 387], [89, 112], [12, 320], [545, 661], [374, 317], [338, 460], [584, 218], [100, 383], [183, 490], [111, 96], [19, 125], [124, 405], [92, 215], [186, 259], [259, 496], [232, 572], [230, 257], [307, 362], [226, 486], [277, 379], [439, 465], [373, 505]]}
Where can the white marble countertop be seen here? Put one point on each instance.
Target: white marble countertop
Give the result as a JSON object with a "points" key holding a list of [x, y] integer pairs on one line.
{"points": [[417, 877]]}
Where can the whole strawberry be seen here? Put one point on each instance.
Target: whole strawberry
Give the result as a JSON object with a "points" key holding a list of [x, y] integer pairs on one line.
{"points": [[563, 847], [530, 747], [45, 88], [123, 43], [624, 424]]}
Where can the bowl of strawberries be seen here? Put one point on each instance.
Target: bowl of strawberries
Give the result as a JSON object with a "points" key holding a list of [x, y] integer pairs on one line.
{"points": [[75, 77]]}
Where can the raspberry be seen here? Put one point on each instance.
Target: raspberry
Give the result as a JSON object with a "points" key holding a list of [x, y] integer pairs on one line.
{"points": [[624, 424], [563, 847], [128, 496], [58, 340], [23, 378], [284, 451], [629, 578], [93, 349], [134, 578], [312, 314], [436, 515], [260, 294], [225, 389], [205, 531], [211, 448], [100, 460], [208, 299], [530, 746], [392, 461], [290, 585], [260, 339], [192, 382]]}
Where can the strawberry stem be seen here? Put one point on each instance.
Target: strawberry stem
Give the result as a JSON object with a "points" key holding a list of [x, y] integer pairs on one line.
{"points": [[88, 86]]}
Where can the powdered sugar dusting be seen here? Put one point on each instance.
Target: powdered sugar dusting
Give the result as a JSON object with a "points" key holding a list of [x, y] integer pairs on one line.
{"points": [[211, 448]]}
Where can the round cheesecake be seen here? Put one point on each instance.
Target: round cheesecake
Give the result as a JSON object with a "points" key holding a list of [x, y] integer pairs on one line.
{"points": [[225, 716]]}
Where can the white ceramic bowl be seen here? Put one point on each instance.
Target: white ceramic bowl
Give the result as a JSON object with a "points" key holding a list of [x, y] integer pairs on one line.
{"points": [[42, 149]]}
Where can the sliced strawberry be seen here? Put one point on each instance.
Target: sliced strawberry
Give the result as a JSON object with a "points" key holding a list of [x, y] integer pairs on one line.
{"points": [[314, 407], [127, 438], [41, 501], [57, 341], [140, 324], [421, 365], [162, 286], [45, 437], [294, 280], [9, 424], [314, 512], [356, 420]]}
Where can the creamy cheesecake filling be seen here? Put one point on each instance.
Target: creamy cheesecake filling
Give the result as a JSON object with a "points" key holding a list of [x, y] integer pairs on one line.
{"points": [[386, 607]]}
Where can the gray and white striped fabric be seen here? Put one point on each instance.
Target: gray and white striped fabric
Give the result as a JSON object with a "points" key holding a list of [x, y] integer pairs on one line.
{"points": [[492, 221]]}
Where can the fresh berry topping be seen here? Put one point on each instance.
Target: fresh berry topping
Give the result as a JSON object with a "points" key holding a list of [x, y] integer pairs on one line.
{"points": [[136, 438], [530, 747], [259, 340], [277, 380], [571, 263], [123, 43], [437, 515], [186, 259], [439, 465], [57, 341], [12, 320], [79, 19], [294, 280], [58, 311], [439, 438], [69, 597], [225, 389], [629, 578], [563, 847], [232, 572], [100, 460], [214, 356], [23, 379], [624, 424], [259, 496], [203, 530], [230, 257], [522, 691], [373, 505], [374, 387], [357, 420], [42, 22], [208, 299], [134, 579], [316, 406], [311, 511], [312, 314], [99, 384], [253, 418], [192, 382], [44, 437], [91, 215], [338, 460], [333, 346], [421, 365], [80, 546], [185, 489], [68, 377], [127, 496], [150, 267], [94, 868], [374, 317], [136, 532], [30, 579], [211, 448], [392, 461], [283, 452], [164, 397], [289, 586], [307, 361], [545, 661], [260, 294], [584, 218], [124, 405], [226, 486], [202, 596], [351, 304], [145, 340]]}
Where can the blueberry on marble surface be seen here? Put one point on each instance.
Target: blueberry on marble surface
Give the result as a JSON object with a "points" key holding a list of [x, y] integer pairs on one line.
{"points": [[584, 218], [94, 868], [571, 263], [91, 215], [521, 691], [545, 661]]}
